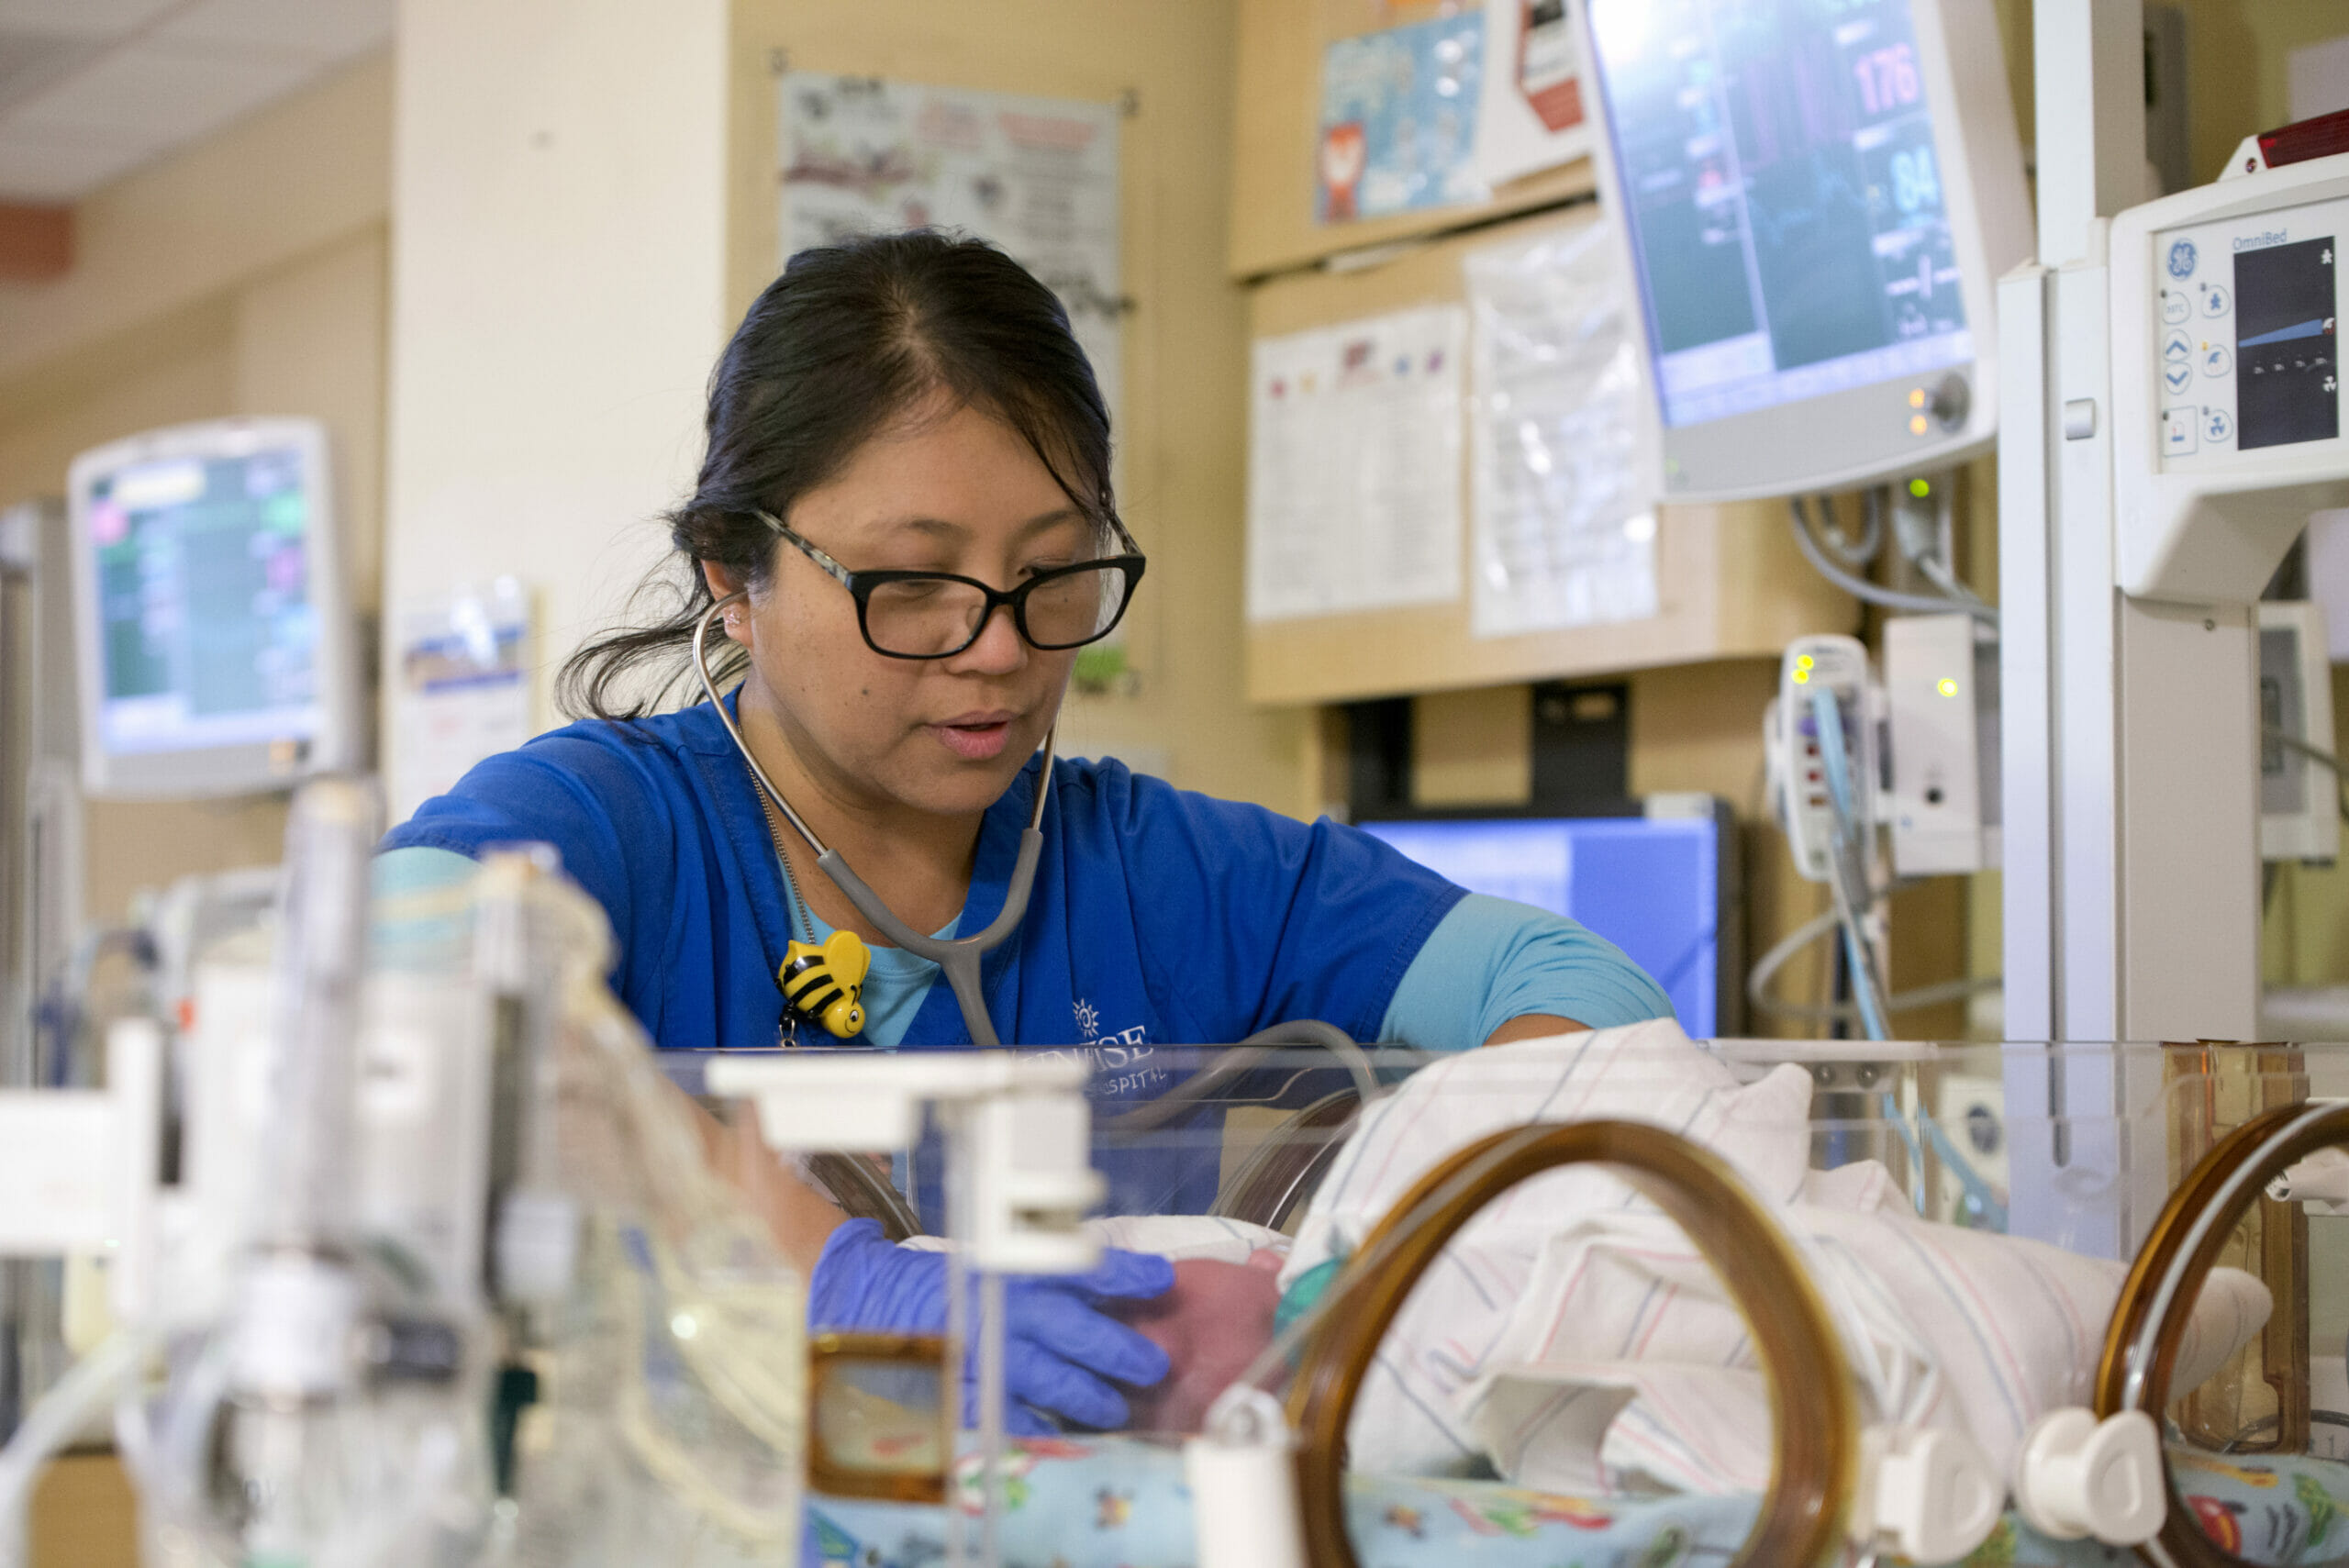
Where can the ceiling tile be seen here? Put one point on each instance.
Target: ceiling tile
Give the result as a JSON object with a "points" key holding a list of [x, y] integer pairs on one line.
{"points": [[330, 30], [81, 18], [43, 169], [29, 62], [150, 90]]}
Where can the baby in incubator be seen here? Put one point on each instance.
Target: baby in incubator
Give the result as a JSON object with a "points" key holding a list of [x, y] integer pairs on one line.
{"points": [[1572, 1338]]}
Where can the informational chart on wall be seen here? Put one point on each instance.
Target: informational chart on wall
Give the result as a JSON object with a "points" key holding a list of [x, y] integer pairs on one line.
{"points": [[1354, 470], [1563, 520], [1037, 176]]}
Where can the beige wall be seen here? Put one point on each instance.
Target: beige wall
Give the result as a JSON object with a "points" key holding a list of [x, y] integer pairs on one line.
{"points": [[243, 275], [559, 269]]}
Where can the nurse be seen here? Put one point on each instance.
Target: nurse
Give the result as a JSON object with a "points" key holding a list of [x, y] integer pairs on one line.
{"points": [[905, 437]]}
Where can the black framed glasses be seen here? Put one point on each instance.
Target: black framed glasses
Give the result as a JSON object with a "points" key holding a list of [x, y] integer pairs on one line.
{"points": [[936, 615]]}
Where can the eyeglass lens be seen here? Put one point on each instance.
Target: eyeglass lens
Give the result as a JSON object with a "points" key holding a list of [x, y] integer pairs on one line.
{"points": [[929, 617]]}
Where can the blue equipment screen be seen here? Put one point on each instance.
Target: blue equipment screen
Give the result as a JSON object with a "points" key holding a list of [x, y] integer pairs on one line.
{"points": [[208, 630], [1786, 206], [1650, 886]]}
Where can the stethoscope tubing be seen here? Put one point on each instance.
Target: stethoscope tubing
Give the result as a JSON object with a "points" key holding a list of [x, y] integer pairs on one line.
{"points": [[960, 958]]}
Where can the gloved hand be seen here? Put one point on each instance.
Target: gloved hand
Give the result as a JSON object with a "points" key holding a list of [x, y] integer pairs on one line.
{"points": [[1061, 1355]]}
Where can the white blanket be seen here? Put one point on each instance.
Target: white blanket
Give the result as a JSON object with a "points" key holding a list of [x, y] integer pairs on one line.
{"points": [[1573, 1336]]}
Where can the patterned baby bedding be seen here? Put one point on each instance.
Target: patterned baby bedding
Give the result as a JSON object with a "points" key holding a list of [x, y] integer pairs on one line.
{"points": [[1119, 1502]]}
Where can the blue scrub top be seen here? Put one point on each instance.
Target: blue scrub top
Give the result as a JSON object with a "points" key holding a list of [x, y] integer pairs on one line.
{"points": [[1159, 916]]}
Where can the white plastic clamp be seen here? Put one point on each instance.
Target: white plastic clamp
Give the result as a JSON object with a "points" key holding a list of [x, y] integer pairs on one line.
{"points": [[1928, 1493], [1242, 1474], [2079, 1476]]}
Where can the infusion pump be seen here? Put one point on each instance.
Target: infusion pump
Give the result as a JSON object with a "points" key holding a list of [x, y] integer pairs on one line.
{"points": [[2226, 399], [1919, 745]]}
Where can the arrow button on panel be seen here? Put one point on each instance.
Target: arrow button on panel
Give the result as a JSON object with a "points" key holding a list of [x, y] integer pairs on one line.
{"points": [[2177, 376], [2177, 346]]}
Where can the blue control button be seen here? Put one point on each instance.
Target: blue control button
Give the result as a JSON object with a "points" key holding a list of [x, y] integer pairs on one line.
{"points": [[2217, 426], [2177, 431], [2216, 360], [2181, 258], [2177, 376], [2178, 346], [2215, 299], [2175, 306]]}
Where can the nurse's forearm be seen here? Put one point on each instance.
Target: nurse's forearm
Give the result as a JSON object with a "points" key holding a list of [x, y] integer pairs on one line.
{"points": [[799, 1219], [1534, 1026], [1493, 971]]}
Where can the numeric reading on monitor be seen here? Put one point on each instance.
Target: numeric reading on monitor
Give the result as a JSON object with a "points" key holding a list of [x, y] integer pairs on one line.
{"points": [[207, 632], [1784, 198]]}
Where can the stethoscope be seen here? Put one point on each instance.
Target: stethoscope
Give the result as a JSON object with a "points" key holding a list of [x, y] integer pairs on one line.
{"points": [[959, 958]]}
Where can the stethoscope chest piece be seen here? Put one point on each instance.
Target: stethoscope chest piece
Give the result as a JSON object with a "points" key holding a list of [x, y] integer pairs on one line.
{"points": [[822, 983]]}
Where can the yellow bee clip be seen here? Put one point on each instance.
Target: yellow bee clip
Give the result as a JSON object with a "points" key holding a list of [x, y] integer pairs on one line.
{"points": [[822, 983]]}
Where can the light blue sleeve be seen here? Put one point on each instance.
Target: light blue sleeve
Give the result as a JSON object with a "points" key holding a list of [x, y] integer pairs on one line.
{"points": [[1490, 961], [409, 928], [420, 869]]}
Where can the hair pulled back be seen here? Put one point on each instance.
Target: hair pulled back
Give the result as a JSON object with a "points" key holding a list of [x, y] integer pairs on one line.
{"points": [[851, 338]]}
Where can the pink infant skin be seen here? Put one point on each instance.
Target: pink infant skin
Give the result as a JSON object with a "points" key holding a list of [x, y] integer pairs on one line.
{"points": [[1216, 1319]]}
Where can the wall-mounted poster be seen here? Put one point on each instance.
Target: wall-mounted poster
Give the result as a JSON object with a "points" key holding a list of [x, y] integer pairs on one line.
{"points": [[1354, 465], [1531, 115], [1398, 120], [1038, 176]]}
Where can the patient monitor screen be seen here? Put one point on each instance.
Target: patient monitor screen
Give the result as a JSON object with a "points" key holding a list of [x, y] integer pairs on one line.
{"points": [[1784, 200], [2287, 364], [207, 632]]}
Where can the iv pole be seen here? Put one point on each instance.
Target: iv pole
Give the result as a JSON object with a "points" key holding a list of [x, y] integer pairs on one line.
{"points": [[2131, 786]]}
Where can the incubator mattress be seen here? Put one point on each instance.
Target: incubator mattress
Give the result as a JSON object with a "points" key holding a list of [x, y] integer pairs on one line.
{"points": [[1121, 1503]]}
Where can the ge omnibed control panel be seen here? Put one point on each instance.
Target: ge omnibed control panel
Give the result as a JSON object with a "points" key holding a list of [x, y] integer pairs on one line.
{"points": [[2248, 336]]}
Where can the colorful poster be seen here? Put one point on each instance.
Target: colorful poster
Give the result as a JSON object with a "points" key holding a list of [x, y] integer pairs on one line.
{"points": [[1398, 120], [1037, 176], [1354, 465]]}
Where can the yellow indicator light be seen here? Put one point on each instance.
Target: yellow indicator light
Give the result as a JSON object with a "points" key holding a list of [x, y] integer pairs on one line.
{"points": [[1949, 687], [1916, 424], [1920, 488], [1916, 397], [1804, 662], [1802, 677]]}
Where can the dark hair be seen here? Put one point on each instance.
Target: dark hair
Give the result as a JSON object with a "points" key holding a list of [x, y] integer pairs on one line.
{"points": [[849, 337]]}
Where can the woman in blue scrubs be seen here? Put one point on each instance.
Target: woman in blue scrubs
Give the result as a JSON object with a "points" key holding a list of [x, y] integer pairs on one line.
{"points": [[908, 471]]}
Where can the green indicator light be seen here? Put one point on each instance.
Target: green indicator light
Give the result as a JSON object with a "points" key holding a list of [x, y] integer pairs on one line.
{"points": [[1920, 488]]}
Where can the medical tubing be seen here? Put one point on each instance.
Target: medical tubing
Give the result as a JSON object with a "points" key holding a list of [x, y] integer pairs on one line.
{"points": [[1766, 969], [1815, 1461], [1871, 540], [2325, 760], [54, 1422], [2143, 1339], [960, 957], [1875, 593], [1236, 1061], [1844, 862]]}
